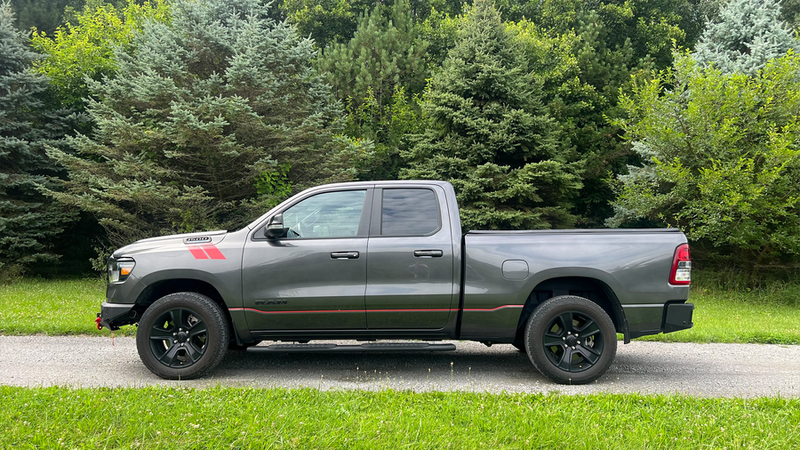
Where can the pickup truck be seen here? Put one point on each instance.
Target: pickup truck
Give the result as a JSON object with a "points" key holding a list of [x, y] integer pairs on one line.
{"points": [[378, 261]]}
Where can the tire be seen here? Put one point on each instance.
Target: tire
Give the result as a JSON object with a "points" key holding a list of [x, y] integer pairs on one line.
{"points": [[182, 336], [558, 344]]}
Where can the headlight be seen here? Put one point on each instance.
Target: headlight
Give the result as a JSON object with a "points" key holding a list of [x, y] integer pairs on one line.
{"points": [[120, 270]]}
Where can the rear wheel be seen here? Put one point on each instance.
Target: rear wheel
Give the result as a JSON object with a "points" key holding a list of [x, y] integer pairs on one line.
{"points": [[571, 340], [182, 336]]}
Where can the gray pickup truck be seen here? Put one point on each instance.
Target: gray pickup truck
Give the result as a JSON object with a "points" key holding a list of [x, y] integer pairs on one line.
{"points": [[375, 261]]}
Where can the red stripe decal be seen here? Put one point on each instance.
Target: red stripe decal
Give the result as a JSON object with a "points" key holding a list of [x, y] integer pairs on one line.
{"points": [[213, 251], [373, 310], [198, 252], [297, 312], [492, 309], [411, 310], [339, 310]]}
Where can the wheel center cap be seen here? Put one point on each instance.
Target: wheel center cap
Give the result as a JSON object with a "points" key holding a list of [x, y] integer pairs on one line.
{"points": [[572, 340], [182, 336]]}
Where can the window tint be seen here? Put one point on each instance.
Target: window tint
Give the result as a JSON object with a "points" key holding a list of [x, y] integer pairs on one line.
{"points": [[409, 212], [333, 214]]}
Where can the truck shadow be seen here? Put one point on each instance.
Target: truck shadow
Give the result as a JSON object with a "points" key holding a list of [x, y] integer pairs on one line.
{"points": [[498, 365]]}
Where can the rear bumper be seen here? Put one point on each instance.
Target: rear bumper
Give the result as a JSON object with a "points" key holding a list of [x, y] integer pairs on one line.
{"points": [[677, 316], [645, 320], [114, 315]]}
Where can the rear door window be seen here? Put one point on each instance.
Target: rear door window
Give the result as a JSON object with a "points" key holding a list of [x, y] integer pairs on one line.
{"points": [[409, 212]]}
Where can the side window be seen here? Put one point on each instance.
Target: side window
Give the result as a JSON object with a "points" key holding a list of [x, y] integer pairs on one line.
{"points": [[328, 215], [409, 212]]}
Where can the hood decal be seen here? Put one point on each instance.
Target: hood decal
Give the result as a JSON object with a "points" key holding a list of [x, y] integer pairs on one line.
{"points": [[205, 251]]}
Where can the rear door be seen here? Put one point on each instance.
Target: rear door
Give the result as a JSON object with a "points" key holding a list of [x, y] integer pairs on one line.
{"points": [[315, 276], [410, 259]]}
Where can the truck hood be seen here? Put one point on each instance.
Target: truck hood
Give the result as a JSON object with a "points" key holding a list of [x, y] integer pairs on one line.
{"points": [[144, 245]]}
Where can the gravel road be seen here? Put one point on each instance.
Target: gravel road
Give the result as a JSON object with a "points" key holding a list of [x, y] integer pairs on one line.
{"points": [[708, 370]]}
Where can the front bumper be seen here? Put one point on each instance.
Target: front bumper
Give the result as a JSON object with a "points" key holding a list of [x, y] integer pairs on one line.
{"points": [[114, 315]]}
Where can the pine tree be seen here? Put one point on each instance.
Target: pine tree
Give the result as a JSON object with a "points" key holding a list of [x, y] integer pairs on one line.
{"points": [[383, 54], [29, 221], [489, 134], [211, 119], [378, 74], [748, 35]]}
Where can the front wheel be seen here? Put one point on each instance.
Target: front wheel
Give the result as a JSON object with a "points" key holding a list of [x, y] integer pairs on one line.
{"points": [[571, 340], [182, 336]]}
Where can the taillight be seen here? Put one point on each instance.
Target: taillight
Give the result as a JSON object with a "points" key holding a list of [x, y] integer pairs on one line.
{"points": [[681, 273]]}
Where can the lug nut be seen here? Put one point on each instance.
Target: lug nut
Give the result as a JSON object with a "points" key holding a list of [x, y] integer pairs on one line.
{"points": [[563, 339], [573, 347]]}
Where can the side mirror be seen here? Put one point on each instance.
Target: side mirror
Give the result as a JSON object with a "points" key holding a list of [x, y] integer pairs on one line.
{"points": [[275, 227]]}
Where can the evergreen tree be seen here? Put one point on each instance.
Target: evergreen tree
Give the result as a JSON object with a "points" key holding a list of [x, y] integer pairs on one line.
{"points": [[336, 21], [748, 35], [489, 134], [211, 119], [377, 74], [29, 222], [44, 15]]}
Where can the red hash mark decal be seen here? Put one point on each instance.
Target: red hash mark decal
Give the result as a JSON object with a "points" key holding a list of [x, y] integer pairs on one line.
{"points": [[205, 251]]}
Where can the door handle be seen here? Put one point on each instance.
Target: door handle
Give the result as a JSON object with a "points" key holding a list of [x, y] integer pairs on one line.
{"points": [[344, 255], [431, 253]]}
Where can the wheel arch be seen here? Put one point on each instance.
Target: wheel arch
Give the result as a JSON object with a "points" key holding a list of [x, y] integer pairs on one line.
{"points": [[161, 288], [590, 288]]}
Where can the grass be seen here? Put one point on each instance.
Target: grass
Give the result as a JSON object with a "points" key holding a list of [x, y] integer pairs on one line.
{"points": [[768, 315], [155, 418], [54, 307]]}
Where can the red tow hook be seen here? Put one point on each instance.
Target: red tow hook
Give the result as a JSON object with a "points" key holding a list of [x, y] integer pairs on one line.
{"points": [[99, 327]]}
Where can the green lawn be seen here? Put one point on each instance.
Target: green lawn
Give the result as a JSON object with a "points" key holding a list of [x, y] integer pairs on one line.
{"points": [[153, 418], [769, 315], [31, 306]]}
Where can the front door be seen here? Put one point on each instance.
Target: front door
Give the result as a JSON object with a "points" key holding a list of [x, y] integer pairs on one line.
{"points": [[314, 277]]}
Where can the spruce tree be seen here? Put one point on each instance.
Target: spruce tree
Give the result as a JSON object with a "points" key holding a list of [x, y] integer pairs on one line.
{"points": [[29, 221], [208, 122], [749, 33], [489, 134]]}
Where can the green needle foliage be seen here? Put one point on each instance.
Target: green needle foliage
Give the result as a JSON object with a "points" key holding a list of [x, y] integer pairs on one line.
{"points": [[29, 222], [378, 74], [209, 119], [722, 159], [489, 134], [749, 34]]}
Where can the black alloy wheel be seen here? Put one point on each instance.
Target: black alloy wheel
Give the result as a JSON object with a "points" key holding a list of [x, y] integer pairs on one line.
{"points": [[571, 340], [182, 336], [178, 337]]}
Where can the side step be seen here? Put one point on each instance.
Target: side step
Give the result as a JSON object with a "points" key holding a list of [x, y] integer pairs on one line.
{"points": [[367, 347]]}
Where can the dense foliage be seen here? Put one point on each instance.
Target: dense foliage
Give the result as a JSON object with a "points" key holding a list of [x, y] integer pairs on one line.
{"points": [[210, 118], [29, 222], [543, 113], [489, 134], [723, 161], [85, 49], [748, 35]]}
